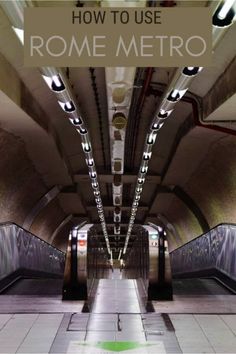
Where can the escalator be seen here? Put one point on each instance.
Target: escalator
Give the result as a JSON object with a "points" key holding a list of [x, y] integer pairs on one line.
{"points": [[28, 264], [199, 287], [35, 286]]}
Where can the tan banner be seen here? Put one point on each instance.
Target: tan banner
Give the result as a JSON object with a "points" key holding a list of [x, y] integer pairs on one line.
{"points": [[168, 37]]}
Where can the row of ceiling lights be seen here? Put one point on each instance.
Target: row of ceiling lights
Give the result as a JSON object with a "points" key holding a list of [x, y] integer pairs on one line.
{"points": [[222, 18], [164, 112], [59, 84]]}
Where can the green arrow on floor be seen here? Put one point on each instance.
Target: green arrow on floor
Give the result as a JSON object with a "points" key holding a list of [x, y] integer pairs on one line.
{"points": [[120, 346], [117, 346]]}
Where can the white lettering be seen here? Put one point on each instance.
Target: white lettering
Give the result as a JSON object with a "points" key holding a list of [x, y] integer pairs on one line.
{"points": [[96, 46], [143, 46], [132, 46], [36, 46], [84, 46], [179, 44], [188, 43], [62, 40]]}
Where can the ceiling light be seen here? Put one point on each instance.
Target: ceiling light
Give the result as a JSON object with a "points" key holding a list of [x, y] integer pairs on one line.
{"points": [[93, 175], [141, 180], [56, 83], [224, 14], [176, 95], [151, 138], [90, 162], [158, 127], [147, 155], [225, 9], [191, 70], [162, 114], [68, 106], [56, 80], [144, 169], [86, 147], [83, 131], [77, 121], [155, 126], [20, 34]]}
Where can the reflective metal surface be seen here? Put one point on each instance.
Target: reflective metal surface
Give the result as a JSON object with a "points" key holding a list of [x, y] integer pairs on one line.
{"points": [[86, 262], [20, 249], [47, 198], [148, 262], [213, 250]]}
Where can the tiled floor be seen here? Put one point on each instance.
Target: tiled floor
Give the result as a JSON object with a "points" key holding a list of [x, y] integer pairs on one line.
{"points": [[218, 304], [44, 333], [117, 324], [28, 333], [205, 333], [37, 304]]}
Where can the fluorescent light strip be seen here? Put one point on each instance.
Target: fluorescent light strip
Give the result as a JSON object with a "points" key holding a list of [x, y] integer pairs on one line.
{"points": [[225, 9], [15, 12], [20, 34], [176, 95]]}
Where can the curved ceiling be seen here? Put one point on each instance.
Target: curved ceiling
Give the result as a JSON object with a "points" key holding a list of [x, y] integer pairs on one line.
{"points": [[194, 152]]}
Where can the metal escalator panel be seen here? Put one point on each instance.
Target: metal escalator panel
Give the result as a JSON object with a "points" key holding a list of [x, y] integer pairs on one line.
{"points": [[75, 276]]}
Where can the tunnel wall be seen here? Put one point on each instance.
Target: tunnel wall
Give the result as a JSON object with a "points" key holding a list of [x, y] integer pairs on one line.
{"points": [[21, 252], [213, 251], [21, 187], [205, 168]]}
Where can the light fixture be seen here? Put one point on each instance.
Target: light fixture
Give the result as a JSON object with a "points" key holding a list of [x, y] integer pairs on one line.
{"points": [[67, 107], [157, 127], [144, 169], [57, 82], [93, 175], [139, 190], [225, 9], [224, 15], [90, 162], [162, 114], [175, 95], [151, 138], [191, 70], [76, 121], [54, 83], [83, 131], [147, 155], [141, 180], [20, 34], [86, 147]]}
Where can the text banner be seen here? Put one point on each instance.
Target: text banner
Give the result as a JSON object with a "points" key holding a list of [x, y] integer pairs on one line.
{"points": [[168, 37]]}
